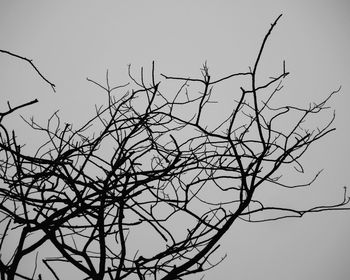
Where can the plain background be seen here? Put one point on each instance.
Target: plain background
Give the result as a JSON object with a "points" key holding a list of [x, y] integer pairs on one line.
{"points": [[71, 40]]}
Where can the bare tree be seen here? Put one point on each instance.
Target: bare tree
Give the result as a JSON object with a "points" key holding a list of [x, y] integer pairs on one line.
{"points": [[151, 166]]}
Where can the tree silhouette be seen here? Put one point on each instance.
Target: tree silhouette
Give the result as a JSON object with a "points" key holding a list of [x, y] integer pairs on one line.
{"points": [[147, 187]]}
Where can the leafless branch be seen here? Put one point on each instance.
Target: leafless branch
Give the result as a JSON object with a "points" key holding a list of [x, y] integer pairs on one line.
{"points": [[147, 160], [30, 61]]}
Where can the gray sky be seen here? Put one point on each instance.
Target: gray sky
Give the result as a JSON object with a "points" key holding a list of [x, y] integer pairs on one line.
{"points": [[72, 40]]}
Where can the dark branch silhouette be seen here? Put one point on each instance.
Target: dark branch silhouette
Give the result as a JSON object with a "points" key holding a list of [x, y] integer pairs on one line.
{"points": [[30, 61], [147, 187]]}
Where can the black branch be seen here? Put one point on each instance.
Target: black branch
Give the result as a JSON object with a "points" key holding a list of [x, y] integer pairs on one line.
{"points": [[148, 186]]}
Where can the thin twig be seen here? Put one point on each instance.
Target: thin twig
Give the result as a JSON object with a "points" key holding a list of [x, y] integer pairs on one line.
{"points": [[30, 61]]}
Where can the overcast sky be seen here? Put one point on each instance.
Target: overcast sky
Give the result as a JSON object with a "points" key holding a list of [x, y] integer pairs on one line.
{"points": [[72, 40]]}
